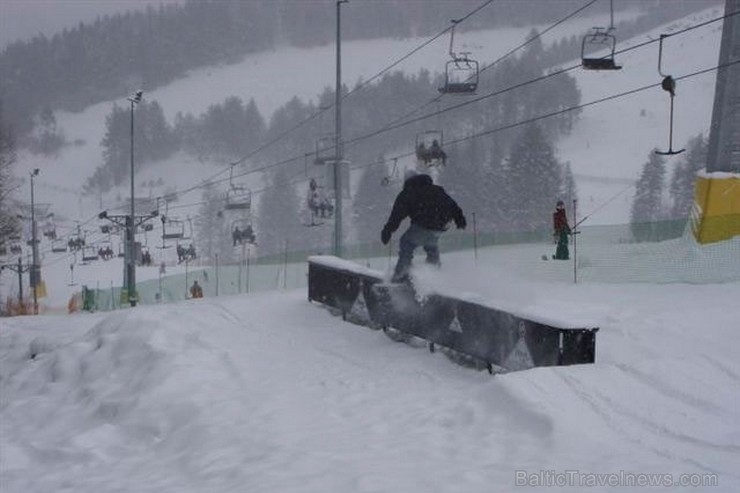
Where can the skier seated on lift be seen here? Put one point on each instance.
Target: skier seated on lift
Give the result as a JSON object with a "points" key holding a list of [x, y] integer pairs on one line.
{"points": [[430, 210], [326, 209], [436, 152], [421, 152], [314, 202], [248, 234], [184, 254]]}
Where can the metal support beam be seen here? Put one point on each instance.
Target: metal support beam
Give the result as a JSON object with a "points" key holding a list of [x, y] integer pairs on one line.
{"points": [[35, 276], [338, 168], [724, 136]]}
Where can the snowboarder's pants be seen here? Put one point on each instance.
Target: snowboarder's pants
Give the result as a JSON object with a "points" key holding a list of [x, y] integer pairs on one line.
{"points": [[561, 252], [417, 236]]}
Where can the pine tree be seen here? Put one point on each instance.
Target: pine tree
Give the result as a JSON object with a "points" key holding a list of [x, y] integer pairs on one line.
{"points": [[8, 220], [684, 176], [534, 180], [647, 205], [213, 231], [373, 200], [255, 127], [468, 180], [116, 146], [569, 191], [47, 138], [279, 217]]}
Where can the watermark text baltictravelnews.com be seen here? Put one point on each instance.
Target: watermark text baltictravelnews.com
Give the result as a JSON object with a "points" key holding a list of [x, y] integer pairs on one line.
{"points": [[571, 478]]}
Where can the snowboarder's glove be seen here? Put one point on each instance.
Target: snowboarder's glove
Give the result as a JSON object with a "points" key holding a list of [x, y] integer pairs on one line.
{"points": [[385, 236], [460, 222]]}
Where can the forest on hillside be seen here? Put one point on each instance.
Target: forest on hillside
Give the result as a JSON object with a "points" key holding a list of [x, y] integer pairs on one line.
{"points": [[115, 55]]}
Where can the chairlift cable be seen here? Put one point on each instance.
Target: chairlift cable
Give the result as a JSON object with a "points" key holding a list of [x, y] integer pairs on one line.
{"points": [[302, 179], [462, 104], [501, 58], [362, 85], [519, 85]]}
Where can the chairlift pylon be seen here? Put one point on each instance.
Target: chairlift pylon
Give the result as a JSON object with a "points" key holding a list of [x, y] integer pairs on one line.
{"points": [[668, 84], [461, 72]]}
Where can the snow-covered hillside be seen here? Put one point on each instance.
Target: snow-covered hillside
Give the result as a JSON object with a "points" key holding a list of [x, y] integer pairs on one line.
{"points": [[606, 150], [612, 139], [268, 392]]}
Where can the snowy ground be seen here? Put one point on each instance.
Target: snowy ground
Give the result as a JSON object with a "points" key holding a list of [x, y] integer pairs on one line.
{"points": [[267, 392]]}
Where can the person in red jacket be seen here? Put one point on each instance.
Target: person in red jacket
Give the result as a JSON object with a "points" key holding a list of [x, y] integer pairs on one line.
{"points": [[561, 230]]}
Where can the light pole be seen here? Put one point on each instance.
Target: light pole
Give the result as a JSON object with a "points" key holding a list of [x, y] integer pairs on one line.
{"points": [[130, 268], [338, 135], [35, 276]]}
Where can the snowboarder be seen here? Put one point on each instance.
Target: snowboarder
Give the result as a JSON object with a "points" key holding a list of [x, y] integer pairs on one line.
{"points": [[195, 290], [430, 210], [561, 230]]}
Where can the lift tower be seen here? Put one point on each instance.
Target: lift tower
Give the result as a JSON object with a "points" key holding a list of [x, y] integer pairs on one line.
{"points": [[716, 212]]}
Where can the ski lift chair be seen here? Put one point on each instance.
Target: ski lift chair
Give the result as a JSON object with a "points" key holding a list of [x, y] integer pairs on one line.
{"points": [[105, 250], [15, 245], [242, 232], [89, 253], [50, 231], [429, 148], [461, 76], [668, 84], [58, 246], [325, 150], [598, 39], [238, 198], [172, 229]]}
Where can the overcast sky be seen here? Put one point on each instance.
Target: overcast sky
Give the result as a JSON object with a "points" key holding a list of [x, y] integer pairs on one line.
{"points": [[23, 19]]}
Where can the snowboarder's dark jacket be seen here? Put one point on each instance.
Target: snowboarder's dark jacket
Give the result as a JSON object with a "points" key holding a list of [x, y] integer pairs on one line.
{"points": [[427, 205]]}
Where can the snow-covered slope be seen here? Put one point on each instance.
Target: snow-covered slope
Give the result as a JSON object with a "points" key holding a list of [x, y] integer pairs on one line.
{"points": [[267, 392]]}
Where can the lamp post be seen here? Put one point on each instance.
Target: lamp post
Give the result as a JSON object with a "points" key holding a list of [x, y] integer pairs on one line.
{"points": [[35, 271], [338, 135], [130, 268]]}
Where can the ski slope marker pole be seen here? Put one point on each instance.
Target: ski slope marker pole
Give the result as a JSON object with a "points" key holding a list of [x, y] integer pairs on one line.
{"points": [[575, 245], [475, 237]]}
